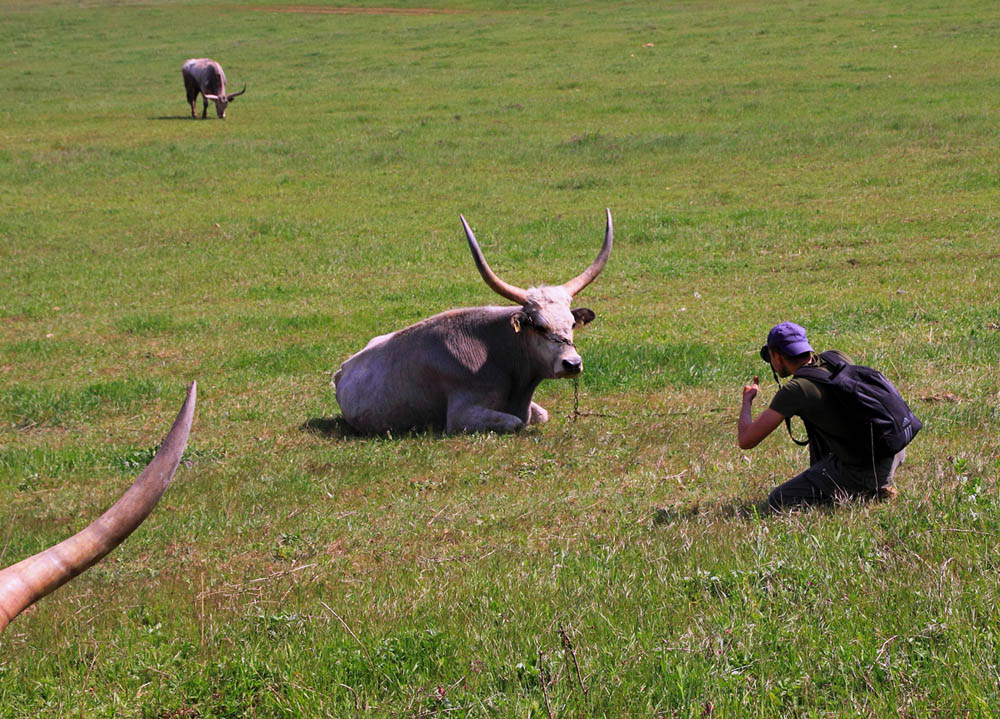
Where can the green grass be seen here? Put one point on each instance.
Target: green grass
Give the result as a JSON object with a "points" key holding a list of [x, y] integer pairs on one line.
{"points": [[829, 163]]}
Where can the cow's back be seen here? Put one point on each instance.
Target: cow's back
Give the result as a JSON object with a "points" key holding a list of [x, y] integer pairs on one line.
{"points": [[207, 73]]}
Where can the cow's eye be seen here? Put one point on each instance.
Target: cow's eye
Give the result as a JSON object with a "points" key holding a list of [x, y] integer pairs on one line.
{"points": [[558, 340]]}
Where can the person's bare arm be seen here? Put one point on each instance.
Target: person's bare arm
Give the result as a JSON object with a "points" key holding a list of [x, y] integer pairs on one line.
{"points": [[749, 431]]}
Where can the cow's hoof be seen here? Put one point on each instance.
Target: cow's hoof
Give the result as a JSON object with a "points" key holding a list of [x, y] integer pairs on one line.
{"points": [[538, 414]]}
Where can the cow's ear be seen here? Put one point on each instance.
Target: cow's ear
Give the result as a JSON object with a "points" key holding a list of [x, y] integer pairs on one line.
{"points": [[582, 316], [520, 319]]}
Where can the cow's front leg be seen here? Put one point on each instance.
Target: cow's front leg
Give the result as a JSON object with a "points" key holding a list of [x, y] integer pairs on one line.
{"points": [[204, 108], [538, 414], [465, 415]]}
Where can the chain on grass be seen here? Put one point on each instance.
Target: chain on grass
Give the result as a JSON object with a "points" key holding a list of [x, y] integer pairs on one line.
{"points": [[576, 404]]}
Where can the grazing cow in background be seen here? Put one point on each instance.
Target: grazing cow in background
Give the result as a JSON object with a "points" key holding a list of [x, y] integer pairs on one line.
{"points": [[24, 583], [206, 76], [472, 369]]}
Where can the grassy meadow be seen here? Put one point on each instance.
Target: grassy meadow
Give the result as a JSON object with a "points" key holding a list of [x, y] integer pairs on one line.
{"points": [[832, 163]]}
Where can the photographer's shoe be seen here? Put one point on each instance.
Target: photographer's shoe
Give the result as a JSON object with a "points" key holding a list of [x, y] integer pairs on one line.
{"points": [[884, 494]]}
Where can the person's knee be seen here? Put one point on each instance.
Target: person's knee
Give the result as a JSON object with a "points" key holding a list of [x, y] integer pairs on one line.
{"points": [[794, 493]]}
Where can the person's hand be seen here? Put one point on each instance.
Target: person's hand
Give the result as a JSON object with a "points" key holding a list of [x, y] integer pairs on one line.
{"points": [[750, 390]]}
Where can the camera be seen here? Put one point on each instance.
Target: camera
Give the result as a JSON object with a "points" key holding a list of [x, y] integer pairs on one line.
{"points": [[765, 354]]}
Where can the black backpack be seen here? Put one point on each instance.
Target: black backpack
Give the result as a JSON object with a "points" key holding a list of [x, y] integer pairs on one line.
{"points": [[884, 422]]}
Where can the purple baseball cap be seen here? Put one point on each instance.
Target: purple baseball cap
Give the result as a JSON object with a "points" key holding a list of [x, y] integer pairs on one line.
{"points": [[789, 339]]}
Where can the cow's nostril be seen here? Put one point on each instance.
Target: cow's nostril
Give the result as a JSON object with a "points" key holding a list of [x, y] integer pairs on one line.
{"points": [[572, 365]]}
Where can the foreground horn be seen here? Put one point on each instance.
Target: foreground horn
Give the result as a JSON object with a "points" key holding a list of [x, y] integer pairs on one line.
{"points": [[236, 94], [31, 579], [512, 293], [587, 276]]}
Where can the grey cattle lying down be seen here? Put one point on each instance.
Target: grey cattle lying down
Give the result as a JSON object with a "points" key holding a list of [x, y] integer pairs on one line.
{"points": [[206, 76], [472, 369], [29, 580]]}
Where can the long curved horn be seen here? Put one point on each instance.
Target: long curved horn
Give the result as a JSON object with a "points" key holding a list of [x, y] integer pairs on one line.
{"points": [[210, 97], [229, 98], [587, 276], [29, 580], [512, 293]]}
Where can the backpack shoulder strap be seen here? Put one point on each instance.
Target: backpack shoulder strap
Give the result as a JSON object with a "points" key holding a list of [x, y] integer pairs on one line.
{"points": [[820, 375], [814, 373]]}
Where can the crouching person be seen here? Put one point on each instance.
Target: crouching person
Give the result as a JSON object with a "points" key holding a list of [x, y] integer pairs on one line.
{"points": [[856, 422]]}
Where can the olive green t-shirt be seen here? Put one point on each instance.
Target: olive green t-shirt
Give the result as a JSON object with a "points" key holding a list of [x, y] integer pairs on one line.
{"points": [[819, 409]]}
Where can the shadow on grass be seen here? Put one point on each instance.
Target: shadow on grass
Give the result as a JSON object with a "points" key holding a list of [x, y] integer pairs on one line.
{"points": [[753, 511], [330, 427], [338, 428], [172, 117], [741, 509]]}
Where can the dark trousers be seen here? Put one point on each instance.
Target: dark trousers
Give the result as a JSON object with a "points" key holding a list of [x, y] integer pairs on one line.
{"points": [[828, 479]]}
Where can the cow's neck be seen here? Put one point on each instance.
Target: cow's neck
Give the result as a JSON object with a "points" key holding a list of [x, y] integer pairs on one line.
{"points": [[524, 379]]}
